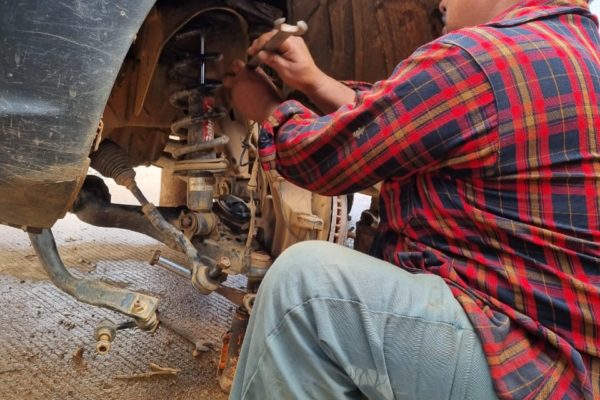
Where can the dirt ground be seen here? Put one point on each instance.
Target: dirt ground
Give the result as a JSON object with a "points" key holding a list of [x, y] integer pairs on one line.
{"points": [[47, 348]]}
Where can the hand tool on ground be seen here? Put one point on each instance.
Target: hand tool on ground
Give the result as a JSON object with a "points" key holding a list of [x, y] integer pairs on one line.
{"points": [[284, 31]]}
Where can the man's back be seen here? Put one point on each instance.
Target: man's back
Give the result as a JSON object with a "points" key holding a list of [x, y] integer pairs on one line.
{"points": [[532, 255]]}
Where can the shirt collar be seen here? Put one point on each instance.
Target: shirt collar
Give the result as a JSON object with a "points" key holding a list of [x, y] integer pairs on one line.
{"points": [[528, 10]]}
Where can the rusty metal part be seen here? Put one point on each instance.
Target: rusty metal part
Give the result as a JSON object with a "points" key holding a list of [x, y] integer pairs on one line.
{"points": [[98, 137], [236, 296], [223, 263], [178, 150], [203, 277], [290, 214], [139, 306], [197, 223], [155, 369], [338, 233], [112, 162], [94, 207], [104, 334], [173, 189], [248, 302], [170, 265], [284, 31], [230, 351], [215, 165]]}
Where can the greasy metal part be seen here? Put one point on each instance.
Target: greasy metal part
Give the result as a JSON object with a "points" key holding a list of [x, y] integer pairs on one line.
{"points": [[236, 296], [177, 149], [290, 214], [197, 223], [248, 302], [104, 334], [284, 31], [139, 306], [170, 265], [201, 191], [230, 351], [215, 165], [94, 207], [111, 161]]}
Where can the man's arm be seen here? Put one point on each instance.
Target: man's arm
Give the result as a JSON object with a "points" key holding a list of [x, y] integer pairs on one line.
{"points": [[436, 110], [295, 66]]}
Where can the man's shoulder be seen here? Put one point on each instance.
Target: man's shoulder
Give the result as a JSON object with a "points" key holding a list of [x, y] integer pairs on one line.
{"points": [[479, 38]]}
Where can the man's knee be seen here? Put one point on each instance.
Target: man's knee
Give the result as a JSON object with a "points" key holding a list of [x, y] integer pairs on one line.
{"points": [[302, 259], [292, 275]]}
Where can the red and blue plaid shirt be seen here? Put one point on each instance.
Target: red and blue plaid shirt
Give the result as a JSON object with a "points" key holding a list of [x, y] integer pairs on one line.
{"points": [[488, 145]]}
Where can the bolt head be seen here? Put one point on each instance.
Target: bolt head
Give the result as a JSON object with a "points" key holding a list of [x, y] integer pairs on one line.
{"points": [[224, 263]]}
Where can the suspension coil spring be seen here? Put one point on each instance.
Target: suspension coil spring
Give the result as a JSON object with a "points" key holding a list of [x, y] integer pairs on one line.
{"points": [[196, 100]]}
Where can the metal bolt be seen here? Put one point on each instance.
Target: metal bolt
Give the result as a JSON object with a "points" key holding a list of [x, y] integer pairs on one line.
{"points": [[224, 263], [103, 346], [138, 307]]}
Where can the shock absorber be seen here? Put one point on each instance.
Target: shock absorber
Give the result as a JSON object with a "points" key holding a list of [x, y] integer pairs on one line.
{"points": [[197, 131]]}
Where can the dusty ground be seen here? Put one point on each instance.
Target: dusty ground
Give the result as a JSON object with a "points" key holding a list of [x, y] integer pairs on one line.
{"points": [[42, 329]]}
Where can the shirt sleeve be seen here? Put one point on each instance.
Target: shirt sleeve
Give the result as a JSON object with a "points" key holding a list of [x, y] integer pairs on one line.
{"points": [[437, 106]]}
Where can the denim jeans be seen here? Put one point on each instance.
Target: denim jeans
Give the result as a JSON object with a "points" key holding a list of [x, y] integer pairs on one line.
{"points": [[333, 323]]}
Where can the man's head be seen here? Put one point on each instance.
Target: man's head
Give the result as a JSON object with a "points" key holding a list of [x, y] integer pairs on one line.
{"points": [[463, 13]]}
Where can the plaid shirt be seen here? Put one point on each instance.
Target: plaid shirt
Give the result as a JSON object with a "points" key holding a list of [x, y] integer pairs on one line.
{"points": [[488, 145]]}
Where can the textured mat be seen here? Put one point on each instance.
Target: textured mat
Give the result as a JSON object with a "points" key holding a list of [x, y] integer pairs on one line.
{"points": [[47, 348]]}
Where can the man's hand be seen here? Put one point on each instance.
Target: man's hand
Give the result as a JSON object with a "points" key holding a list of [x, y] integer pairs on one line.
{"points": [[297, 69], [252, 92], [292, 62]]}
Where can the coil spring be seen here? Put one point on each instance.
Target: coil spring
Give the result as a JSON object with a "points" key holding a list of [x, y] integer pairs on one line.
{"points": [[186, 72]]}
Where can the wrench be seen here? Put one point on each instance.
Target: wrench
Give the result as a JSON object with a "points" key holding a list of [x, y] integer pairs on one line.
{"points": [[284, 31]]}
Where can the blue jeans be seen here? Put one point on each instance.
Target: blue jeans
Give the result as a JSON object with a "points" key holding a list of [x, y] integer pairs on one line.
{"points": [[332, 323]]}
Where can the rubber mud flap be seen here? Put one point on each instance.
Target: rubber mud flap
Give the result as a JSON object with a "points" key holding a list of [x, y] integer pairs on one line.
{"points": [[58, 63]]}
